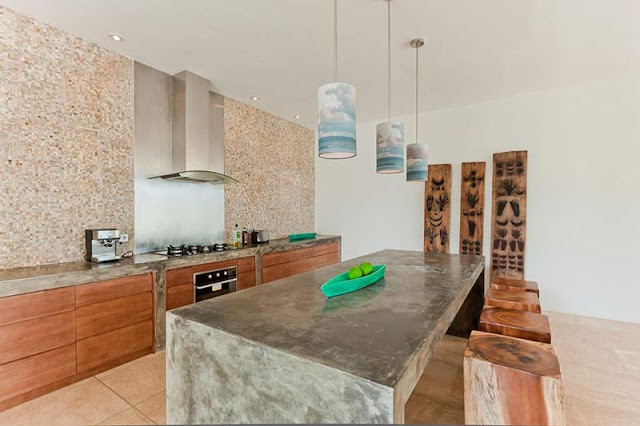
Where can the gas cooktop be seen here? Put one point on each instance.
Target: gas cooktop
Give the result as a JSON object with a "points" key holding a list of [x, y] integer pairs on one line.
{"points": [[192, 249]]}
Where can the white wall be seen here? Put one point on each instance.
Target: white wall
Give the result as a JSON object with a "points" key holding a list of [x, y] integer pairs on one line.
{"points": [[583, 230]]}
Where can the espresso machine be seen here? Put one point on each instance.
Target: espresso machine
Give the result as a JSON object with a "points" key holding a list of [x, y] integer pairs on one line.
{"points": [[101, 245]]}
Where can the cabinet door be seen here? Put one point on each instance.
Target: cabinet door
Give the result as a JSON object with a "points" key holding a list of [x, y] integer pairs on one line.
{"points": [[180, 276], [246, 279], [112, 314], [27, 374], [292, 262], [25, 338], [112, 289], [39, 303], [106, 347], [178, 296], [114, 320]]}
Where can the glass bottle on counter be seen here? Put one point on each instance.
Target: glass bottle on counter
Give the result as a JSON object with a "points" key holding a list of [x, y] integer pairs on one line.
{"points": [[237, 237], [245, 235]]}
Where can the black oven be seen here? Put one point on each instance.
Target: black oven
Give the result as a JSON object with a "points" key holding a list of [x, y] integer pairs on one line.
{"points": [[209, 284]]}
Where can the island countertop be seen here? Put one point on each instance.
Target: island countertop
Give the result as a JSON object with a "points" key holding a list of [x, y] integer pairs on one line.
{"points": [[383, 333]]}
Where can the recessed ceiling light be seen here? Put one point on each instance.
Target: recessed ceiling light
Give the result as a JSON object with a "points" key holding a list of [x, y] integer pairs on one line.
{"points": [[255, 98], [116, 37], [296, 116]]}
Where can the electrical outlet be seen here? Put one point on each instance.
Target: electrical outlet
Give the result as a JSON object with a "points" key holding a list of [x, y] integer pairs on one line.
{"points": [[124, 238]]}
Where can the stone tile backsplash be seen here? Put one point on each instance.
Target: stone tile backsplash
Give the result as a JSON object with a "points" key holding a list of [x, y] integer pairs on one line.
{"points": [[274, 161], [66, 142]]}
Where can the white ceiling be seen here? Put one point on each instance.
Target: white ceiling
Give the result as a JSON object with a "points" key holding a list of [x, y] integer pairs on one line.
{"points": [[281, 50]]}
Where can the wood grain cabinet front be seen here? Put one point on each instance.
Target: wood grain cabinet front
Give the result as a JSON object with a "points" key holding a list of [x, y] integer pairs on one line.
{"points": [[114, 320], [179, 287], [292, 262], [28, 374], [180, 281], [104, 348], [37, 342]]}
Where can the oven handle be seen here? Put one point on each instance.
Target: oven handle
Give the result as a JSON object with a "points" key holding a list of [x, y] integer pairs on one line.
{"points": [[212, 284]]}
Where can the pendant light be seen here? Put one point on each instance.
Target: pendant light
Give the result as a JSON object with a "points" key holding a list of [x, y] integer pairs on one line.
{"points": [[389, 135], [417, 153], [336, 110]]}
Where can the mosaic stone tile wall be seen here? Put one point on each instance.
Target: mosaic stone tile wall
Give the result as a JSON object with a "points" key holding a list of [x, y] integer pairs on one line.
{"points": [[274, 160], [66, 142]]}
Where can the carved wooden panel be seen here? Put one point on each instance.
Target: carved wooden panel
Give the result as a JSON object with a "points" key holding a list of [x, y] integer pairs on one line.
{"points": [[437, 209], [472, 208], [509, 214]]}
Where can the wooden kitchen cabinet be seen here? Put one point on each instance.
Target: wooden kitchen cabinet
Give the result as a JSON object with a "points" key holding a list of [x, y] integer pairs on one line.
{"points": [[114, 320], [180, 295], [39, 303], [292, 262], [111, 314], [179, 284], [179, 281], [104, 348], [37, 341], [20, 377]]}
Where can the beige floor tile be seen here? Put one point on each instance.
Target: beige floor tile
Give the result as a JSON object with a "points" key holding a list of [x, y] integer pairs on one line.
{"points": [[137, 380], [425, 411], [441, 382], [130, 416], [83, 403], [155, 408]]}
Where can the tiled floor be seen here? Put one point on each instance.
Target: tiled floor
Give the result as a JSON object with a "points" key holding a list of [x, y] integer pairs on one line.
{"points": [[600, 362], [132, 394]]}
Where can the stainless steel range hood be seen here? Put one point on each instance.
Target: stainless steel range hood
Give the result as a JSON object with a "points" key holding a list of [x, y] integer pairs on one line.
{"points": [[197, 132]]}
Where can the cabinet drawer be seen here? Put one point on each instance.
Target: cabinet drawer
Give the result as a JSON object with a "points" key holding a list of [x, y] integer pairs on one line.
{"points": [[31, 373], [271, 259], [215, 265], [105, 316], [103, 348], [283, 270], [25, 338], [112, 289], [246, 279], [31, 305], [181, 276], [179, 296], [246, 264]]}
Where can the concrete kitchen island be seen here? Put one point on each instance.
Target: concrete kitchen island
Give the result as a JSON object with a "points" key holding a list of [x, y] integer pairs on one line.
{"points": [[284, 353]]}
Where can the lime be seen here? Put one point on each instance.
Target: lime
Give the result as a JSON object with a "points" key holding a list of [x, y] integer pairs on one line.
{"points": [[366, 267], [354, 273]]}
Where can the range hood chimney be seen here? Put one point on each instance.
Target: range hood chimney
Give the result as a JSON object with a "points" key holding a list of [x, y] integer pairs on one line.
{"points": [[197, 132]]}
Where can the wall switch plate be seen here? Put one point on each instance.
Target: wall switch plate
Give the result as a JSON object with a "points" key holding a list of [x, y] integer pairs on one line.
{"points": [[123, 238]]}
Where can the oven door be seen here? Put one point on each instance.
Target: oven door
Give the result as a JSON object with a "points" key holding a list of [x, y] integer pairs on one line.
{"points": [[216, 283]]}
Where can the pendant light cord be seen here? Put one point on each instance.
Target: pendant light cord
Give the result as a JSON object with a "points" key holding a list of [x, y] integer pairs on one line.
{"points": [[335, 40], [417, 94], [389, 60]]}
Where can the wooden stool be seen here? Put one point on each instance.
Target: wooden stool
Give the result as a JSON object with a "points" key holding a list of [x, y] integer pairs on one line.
{"points": [[512, 300], [521, 324], [511, 381], [510, 284]]}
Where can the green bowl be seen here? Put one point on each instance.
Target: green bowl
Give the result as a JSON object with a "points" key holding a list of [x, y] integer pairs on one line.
{"points": [[341, 284]]}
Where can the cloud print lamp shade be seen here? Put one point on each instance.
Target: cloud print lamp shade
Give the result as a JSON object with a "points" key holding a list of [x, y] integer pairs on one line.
{"points": [[337, 120], [417, 162], [417, 153], [390, 147]]}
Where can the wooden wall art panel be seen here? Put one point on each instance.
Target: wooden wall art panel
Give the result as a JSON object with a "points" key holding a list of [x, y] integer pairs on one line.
{"points": [[472, 208], [437, 209], [509, 214]]}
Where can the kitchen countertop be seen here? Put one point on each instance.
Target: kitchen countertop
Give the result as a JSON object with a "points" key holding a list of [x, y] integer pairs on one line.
{"points": [[357, 353], [45, 277]]}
